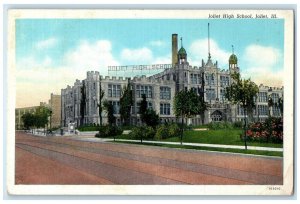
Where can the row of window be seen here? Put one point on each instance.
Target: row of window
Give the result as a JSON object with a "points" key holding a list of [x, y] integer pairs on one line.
{"points": [[261, 110]]}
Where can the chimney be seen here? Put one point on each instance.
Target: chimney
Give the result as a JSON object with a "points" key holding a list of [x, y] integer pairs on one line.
{"points": [[174, 49]]}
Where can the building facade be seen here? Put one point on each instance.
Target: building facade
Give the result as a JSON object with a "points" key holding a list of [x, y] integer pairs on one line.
{"points": [[79, 103], [19, 112], [55, 107]]}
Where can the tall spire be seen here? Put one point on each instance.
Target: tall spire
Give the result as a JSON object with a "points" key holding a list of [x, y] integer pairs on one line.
{"points": [[208, 42], [181, 41], [232, 49]]}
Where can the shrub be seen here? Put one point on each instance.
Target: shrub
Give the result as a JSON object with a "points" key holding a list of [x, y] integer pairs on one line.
{"points": [[269, 131], [88, 128], [174, 130], [167, 130], [238, 124], [162, 132], [219, 125], [146, 132], [108, 131]]}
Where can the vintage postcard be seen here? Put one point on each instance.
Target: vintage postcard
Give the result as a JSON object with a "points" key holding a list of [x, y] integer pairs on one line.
{"points": [[150, 102]]}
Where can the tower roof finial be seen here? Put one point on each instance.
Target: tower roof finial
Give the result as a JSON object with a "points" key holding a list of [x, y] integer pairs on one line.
{"points": [[181, 41], [208, 41], [232, 49]]}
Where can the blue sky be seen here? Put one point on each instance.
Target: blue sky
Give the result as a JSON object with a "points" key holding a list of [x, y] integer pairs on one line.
{"points": [[46, 48]]}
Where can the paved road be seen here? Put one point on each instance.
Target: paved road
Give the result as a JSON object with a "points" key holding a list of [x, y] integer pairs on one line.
{"points": [[65, 160]]}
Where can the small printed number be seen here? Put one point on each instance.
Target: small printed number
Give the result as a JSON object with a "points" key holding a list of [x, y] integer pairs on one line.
{"points": [[273, 188]]}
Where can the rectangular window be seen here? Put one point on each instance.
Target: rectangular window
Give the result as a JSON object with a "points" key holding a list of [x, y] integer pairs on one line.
{"points": [[276, 111], [263, 110], [149, 105], [141, 89], [165, 109], [109, 92], [114, 90], [224, 81], [262, 97], [165, 93], [210, 94], [275, 97], [222, 94]]}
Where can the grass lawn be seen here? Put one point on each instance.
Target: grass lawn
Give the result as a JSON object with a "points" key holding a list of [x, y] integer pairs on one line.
{"points": [[254, 152], [225, 137]]}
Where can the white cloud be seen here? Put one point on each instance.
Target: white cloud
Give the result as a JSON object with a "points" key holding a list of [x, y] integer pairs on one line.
{"points": [[263, 65], [198, 51], [262, 56], [163, 60], [91, 56], [45, 44], [157, 43], [137, 56], [36, 79]]}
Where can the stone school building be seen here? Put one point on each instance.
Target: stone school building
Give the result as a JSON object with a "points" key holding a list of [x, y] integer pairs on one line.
{"points": [[207, 79]]}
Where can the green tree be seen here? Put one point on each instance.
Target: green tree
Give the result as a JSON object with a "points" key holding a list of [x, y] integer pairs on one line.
{"points": [[280, 105], [42, 116], [28, 120], [188, 104], [125, 104], [270, 104], [100, 106], [242, 92], [82, 103], [108, 106], [151, 118], [143, 108]]}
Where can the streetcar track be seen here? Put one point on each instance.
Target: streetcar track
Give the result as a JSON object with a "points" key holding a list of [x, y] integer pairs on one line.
{"points": [[121, 169], [231, 173]]}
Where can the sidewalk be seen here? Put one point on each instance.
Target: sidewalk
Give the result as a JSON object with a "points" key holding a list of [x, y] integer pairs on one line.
{"points": [[203, 145]]}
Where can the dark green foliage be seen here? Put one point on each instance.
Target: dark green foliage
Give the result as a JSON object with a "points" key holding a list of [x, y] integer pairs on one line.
{"points": [[238, 124], [126, 102], [88, 128], [280, 105], [108, 106], [82, 103], [188, 104], [108, 131], [219, 125], [242, 92], [142, 132], [151, 118], [38, 119], [143, 108], [28, 120], [167, 131], [100, 106], [162, 132]]}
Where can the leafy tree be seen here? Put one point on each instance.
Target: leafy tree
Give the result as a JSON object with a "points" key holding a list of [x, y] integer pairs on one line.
{"points": [[100, 106], [125, 104], [242, 92], [108, 106], [188, 104], [28, 120], [151, 118], [143, 108], [280, 105], [148, 116], [82, 103], [42, 116], [270, 104]]}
